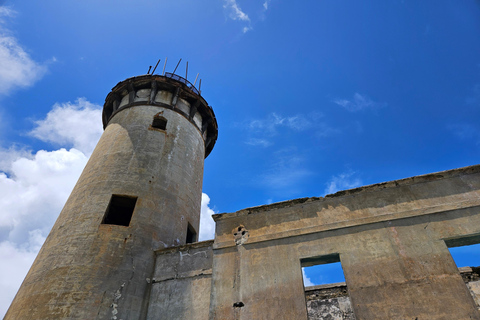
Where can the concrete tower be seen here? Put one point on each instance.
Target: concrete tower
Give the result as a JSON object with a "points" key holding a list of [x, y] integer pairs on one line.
{"points": [[140, 191]]}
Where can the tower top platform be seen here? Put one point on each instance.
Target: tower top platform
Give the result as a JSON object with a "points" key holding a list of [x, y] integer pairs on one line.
{"points": [[169, 91]]}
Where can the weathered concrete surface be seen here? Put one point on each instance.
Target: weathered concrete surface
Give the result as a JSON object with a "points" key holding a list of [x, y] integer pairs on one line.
{"points": [[471, 277], [181, 284], [338, 308], [474, 288], [256, 282], [89, 270], [329, 302], [391, 240]]}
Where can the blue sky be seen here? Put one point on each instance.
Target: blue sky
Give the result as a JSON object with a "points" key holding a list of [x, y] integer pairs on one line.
{"points": [[310, 97]]}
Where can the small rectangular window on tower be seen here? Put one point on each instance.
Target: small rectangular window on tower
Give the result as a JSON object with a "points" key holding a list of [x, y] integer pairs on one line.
{"points": [[120, 210], [159, 122], [191, 234]]}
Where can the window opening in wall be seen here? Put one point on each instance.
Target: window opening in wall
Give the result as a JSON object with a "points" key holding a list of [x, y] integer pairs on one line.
{"points": [[159, 122], [322, 270], [120, 210], [466, 254], [326, 293], [191, 234], [465, 251]]}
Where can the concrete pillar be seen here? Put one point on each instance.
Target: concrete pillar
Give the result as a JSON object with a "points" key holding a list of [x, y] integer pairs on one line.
{"points": [[149, 159], [256, 281]]}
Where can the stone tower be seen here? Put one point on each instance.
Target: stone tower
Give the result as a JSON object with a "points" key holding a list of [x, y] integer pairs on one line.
{"points": [[139, 192]]}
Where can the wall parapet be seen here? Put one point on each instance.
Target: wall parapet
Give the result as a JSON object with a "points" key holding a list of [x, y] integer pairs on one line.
{"points": [[401, 199], [368, 188]]}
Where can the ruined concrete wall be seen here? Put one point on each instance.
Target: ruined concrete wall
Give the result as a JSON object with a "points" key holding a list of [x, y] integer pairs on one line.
{"points": [[332, 302], [474, 288], [180, 288], [329, 302], [471, 277], [390, 238], [339, 308], [255, 282]]}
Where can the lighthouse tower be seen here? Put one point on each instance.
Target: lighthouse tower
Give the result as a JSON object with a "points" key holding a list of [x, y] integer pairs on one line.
{"points": [[139, 192]]}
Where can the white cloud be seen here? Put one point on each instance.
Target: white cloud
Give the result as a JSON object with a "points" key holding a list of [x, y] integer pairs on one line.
{"points": [[358, 103], [5, 12], [207, 225], [263, 10], [17, 69], [16, 261], [264, 129], [26, 216], [265, 5], [246, 29], [78, 125], [10, 155], [260, 132], [258, 142], [26, 180], [343, 181], [234, 11], [323, 130], [286, 173], [306, 280], [274, 121], [31, 180]]}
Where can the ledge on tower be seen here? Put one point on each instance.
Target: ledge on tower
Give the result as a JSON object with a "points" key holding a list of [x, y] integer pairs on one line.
{"points": [[147, 90]]}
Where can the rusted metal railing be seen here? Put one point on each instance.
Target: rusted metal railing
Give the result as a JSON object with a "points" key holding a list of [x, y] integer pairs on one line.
{"points": [[182, 80]]}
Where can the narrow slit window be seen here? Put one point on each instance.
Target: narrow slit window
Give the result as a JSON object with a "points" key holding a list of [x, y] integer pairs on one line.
{"points": [[159, 122], [191, 234], [120, 210]]}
